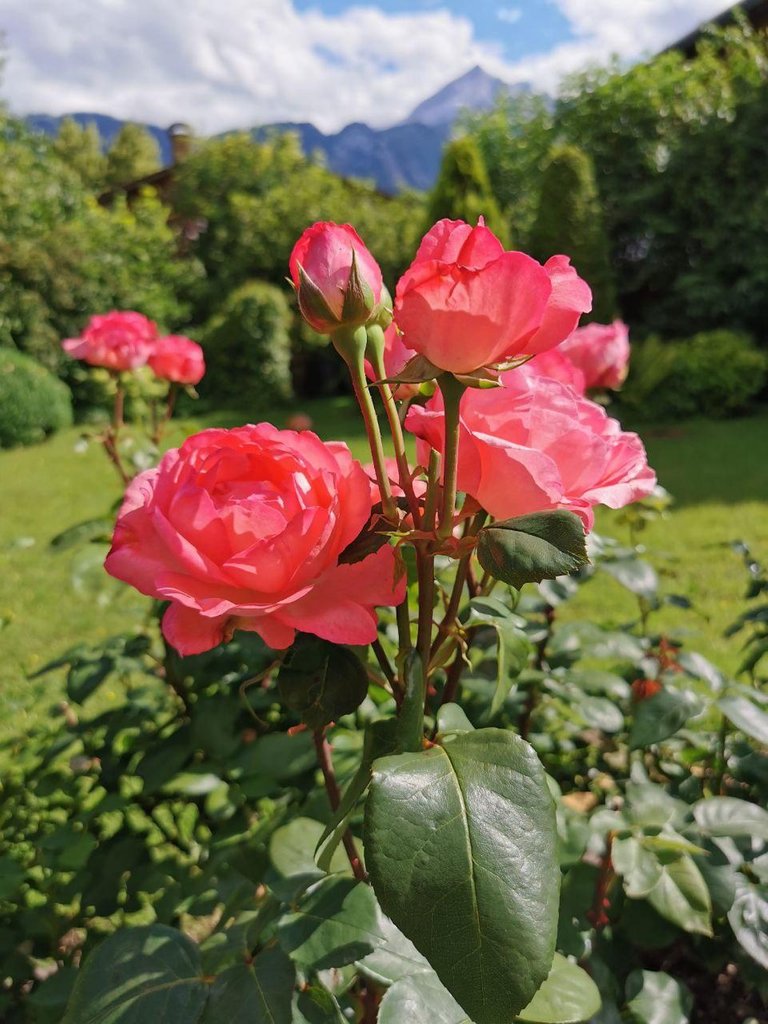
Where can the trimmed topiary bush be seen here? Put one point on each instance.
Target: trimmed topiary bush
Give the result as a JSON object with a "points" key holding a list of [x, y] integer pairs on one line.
{"points": [[248, 347], [33, 403], [570, 220], [714, 373]]}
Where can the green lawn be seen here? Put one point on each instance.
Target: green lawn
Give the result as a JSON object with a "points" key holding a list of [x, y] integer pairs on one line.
{"points": [[715, 470]]}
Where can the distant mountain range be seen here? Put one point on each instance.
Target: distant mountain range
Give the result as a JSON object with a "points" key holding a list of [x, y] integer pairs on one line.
{"points": [[407, 155]]}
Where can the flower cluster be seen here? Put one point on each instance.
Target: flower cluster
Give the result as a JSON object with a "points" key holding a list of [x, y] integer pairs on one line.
{"points": [[251, 528], [122, 341]]}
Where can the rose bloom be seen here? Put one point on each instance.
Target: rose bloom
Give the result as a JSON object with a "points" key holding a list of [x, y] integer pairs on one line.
{"points": [[601, 352], [242, 529], [177, 359], [324, 255], [396, 355], [465, 303], [535, 444], [117, 341], [556, 366]]}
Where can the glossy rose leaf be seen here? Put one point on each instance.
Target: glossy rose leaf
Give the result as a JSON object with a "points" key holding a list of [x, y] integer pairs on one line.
{"points": [[532, 548], [460, 846]]}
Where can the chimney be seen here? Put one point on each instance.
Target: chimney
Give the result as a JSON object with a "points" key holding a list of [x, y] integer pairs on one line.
{"points": [[180, 136]]}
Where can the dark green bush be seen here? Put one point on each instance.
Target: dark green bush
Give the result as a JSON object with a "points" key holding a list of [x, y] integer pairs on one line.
{"points": [[248, 348], [715, 373], [463, 191], [33, 403]]}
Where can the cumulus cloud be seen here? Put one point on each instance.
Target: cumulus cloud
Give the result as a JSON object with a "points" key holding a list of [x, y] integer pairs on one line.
{"points": [[602, 29], [235, 63]]}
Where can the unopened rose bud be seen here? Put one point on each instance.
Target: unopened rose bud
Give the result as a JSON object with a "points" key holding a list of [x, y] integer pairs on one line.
{"points": [[338, 283]]}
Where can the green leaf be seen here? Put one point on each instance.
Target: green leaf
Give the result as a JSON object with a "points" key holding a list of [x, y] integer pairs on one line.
{"points": [[138, 975], [513, 647], [85, 677], [335, 924], [321, 681], [639, 867], [568, 996], [727, 816], [635, 575], [654, 997], [461, 847], [380, 739], [291, 851], [660, 717], [12, 877], [394, 957], [748, 917], [417, 370], [260, 992], [528, 549], [316, 1005], [83, 533], [682, 897], [451, 719], [420, 997], [746, 716]]}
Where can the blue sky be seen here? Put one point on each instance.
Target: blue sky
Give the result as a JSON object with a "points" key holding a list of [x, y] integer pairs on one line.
{"points": [[222, 64]]}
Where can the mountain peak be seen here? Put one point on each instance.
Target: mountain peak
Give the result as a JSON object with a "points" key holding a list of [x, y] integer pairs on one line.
{"points": [[474, 90]]}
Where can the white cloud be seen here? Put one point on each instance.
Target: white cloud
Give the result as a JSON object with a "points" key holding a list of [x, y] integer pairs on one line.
{"points": [[234, 63], [509, 14], [225, 63], [602, 29]]}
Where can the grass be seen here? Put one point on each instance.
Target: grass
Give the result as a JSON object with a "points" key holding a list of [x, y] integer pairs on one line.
{"points": [[713, 468]]}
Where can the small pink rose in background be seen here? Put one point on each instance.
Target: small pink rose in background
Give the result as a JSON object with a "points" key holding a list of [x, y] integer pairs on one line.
{"points": [[557, 366], [535, 444], [117, 340], [601, 352], [299, 421], [323, 258], [465, 303], [177, 359], [396, 355], [243, 529]]}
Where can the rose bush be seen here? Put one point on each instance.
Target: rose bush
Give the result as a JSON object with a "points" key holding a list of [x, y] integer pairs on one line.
{"points": [[321, 267], [535, 444], [118, 341], [177, 359], [465, 303], [243, 529]]}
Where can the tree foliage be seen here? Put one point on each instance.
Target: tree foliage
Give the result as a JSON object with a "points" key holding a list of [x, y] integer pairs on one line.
{"points": [[79, 147], [569, 220], [132, 155], [463, 190]]}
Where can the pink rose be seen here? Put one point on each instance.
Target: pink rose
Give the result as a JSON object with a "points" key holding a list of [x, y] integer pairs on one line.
{"points": [[243, 529], [557, 366], [601, 352], [535, 444], [117, 341], [396, 355], [465, 303], [321, 264], [177, 359]]}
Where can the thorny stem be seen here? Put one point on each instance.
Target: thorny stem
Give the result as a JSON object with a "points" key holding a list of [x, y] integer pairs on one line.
{"points": [[463, 572], [323, 749], [111, 436], [386, 668], [159, 425], [598, 914]]}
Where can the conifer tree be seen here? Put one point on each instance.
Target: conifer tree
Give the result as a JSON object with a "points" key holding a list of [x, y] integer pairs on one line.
{"points": [[80, 148], [462, 190], [570, 221]]}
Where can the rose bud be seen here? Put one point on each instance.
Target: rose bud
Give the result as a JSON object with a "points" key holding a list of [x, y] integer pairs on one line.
{"points": [[338, 283]]}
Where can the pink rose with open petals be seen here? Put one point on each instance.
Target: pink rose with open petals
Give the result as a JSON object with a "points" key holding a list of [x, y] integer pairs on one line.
{"points": [[601, 352], [535, 444], [321, 267], [556, 366], [177, 359], [243, 529], [465, 303], [117, 341]]}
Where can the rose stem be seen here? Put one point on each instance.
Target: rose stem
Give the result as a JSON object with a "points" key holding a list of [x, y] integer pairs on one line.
{"points": [[377, 360], [452, 390], [323, 748]]}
